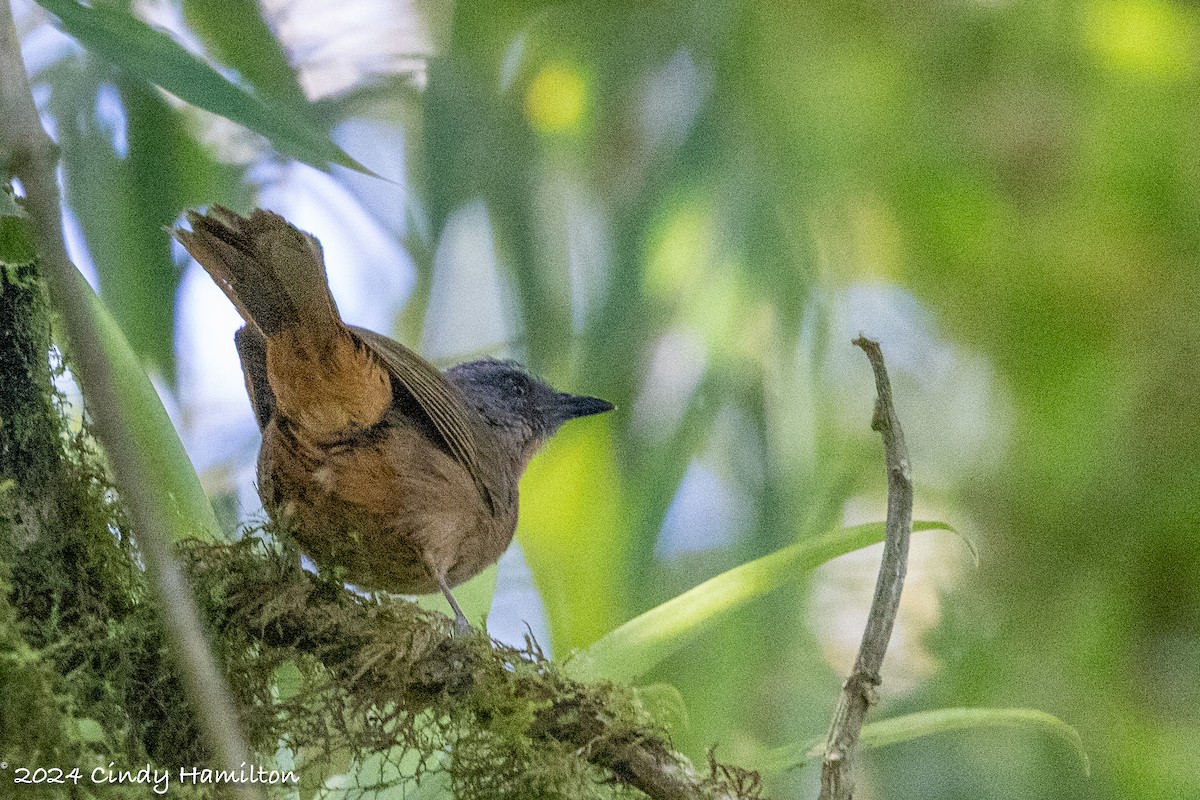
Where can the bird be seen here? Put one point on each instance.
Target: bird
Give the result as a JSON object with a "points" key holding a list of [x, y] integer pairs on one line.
{"points": [[388, 472]]}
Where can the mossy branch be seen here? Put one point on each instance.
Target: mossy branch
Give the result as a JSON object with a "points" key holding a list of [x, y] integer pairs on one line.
{"points": [[515, 724]]}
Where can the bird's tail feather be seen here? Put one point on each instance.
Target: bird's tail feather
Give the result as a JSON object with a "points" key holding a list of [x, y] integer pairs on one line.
{"points": [[272, 272]]}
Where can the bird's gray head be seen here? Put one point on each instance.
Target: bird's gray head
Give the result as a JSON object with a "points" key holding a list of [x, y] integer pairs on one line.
{"points": [[522, 410]]}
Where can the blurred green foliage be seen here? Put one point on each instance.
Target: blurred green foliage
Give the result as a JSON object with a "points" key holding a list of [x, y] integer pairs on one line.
{"points": [[701, 185]]}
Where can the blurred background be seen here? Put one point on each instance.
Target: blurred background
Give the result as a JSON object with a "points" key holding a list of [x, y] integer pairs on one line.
{"points": [[689, 209]]}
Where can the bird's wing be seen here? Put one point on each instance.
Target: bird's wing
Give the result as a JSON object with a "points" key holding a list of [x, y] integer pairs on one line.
{"points": [[252, 350], [445, 407]]}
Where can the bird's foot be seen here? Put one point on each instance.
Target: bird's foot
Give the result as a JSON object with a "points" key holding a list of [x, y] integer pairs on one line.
{"points": [[461, 626]]}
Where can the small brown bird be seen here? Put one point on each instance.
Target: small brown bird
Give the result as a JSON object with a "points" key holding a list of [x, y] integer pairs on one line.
{"points": [[401, 476]]}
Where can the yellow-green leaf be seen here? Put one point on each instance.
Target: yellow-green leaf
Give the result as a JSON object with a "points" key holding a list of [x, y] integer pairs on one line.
{"points": [[635, 647], [927, 723]]}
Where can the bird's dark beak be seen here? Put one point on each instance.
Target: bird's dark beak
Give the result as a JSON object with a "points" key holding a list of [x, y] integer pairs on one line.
{"points": [[571, 406]]}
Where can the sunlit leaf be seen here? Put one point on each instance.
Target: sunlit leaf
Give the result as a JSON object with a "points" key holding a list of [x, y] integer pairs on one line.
{"points": [[572, 533], [927, 723], [152, 55], [635, 647]]}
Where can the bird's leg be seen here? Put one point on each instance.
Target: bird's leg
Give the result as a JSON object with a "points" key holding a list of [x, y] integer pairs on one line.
{"points": [[461, 626]]}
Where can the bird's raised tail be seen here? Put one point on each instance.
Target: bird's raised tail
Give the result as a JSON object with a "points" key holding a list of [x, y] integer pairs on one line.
{"points": [[319, 374], [272, 272]]}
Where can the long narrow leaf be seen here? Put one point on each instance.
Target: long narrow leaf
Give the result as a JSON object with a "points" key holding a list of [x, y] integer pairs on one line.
{"points": [[152, 55], [236, 34], [635, 647], [927, 723], [165, 464]]}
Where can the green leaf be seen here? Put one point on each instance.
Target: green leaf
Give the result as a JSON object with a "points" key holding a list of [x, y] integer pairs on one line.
{"points": [[166, 468], [635, 647], [571, 486], [152, 55], [164, 464], [236, 34], [125, 197], [927, 723]]}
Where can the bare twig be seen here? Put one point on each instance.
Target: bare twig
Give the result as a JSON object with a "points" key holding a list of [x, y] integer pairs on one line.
{"points": [[27, 153], [859, 690]]}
